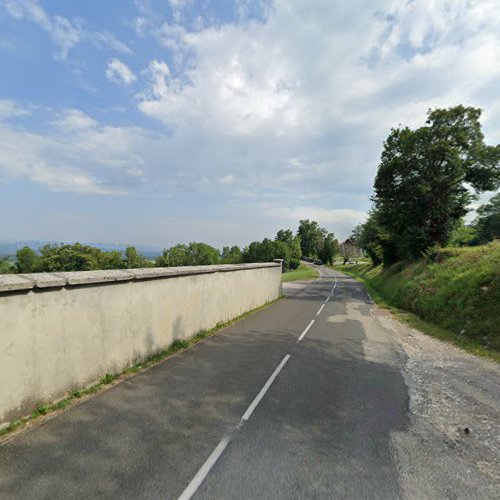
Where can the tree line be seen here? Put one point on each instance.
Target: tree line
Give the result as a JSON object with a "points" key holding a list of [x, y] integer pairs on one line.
{"points": [[425, 183], [310, 241]]}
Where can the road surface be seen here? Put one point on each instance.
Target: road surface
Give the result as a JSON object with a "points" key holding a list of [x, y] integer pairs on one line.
{"points": [[301, 400]]}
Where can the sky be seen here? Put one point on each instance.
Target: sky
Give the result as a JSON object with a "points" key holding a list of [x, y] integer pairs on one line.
{"points": [[155, 122]]}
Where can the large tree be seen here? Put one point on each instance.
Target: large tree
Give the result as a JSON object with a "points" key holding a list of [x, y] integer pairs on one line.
{"points": [[194, 254], [329, 249], [266, 251], [231, 255], [293, 242], [134, 259], [78, 257], [424, 181], [27, 260], [311, 237]]}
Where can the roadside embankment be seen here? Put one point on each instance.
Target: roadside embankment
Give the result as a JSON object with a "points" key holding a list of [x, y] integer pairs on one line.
{"points": [[457, 289], [64, 331]]}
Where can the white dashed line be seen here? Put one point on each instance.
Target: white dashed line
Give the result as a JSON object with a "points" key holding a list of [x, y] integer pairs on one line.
{"points": [[305, 331], [219, 450], [205, 469], [263, 391]]}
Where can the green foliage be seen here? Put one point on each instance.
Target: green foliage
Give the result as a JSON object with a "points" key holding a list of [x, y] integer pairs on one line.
{"points": [[134, 260], [421, 188], [455, 288], [194, 254], [231, 255], [27, 261], [302, 273], [463, 236], [487, 223], [371, 238], [173, 256], [78, 257], [311, 237], [328, 249], [6, 266], [108, 378], [266, 251], [201, 254], [293, 243]]}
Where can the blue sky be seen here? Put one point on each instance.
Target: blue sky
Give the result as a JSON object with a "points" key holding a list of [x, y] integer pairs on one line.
{"points": [[162, 121]]}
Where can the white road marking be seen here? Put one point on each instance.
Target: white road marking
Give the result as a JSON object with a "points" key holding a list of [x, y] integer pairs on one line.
{"points": [[263, 391], [305, 331], [205, 469], [219, 450]]}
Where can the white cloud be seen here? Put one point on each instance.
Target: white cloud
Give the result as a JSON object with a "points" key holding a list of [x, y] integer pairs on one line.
{"points": [[27, 9], [74, 120], [78, 154], [68, 180], [65, 33], [109, 41], [277, 119], [302, 102], [10, 109], [119, 72]]}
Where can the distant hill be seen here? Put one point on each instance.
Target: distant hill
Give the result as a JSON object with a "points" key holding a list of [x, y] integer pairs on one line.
{"points": [[10, 247]]}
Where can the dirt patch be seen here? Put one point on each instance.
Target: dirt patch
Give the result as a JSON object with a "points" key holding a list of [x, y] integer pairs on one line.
{"points": [[453, 444], [381, 312]]}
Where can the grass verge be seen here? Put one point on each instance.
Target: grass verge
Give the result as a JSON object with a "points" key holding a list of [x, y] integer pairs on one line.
{"points": [[389, 289], [302, 273], [108, 378]]}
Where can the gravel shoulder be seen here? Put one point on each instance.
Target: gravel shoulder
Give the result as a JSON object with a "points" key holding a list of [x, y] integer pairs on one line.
{"points": [[452, 447]]}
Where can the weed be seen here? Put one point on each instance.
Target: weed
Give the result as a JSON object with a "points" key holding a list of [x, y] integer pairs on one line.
{"points": [[108, 378]]}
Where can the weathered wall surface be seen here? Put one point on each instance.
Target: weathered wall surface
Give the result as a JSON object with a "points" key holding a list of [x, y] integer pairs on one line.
{"points": [[65, 330]]}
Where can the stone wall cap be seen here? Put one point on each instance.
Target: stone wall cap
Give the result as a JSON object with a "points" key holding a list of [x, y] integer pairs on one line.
{"points": [[28, 281], [153, 272], [89, 277], [44, 280], [13, 282]]}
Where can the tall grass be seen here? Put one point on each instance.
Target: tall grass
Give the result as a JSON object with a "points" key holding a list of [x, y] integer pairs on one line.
{"points": [[455, 288]]}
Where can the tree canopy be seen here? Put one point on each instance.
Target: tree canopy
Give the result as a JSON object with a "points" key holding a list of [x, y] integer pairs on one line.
{"points": [[425, 182], [78, 257], [194, 254]]}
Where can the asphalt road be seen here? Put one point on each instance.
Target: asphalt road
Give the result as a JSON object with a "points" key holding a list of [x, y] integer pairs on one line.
{"points": [[252, 412]]}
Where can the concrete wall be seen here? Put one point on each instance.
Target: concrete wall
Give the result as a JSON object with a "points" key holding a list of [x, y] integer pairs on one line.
{"points": [[65, 330]]}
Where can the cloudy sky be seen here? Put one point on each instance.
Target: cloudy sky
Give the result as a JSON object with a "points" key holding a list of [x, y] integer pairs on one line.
{"points": [[163, 121]]}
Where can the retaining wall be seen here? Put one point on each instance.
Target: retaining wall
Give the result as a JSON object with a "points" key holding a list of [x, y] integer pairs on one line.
{"points": [[61, 331]]}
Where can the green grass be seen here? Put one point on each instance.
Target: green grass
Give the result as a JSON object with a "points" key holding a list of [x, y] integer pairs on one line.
{"points": [[108, 378], [303, 272], [453, 295]]}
